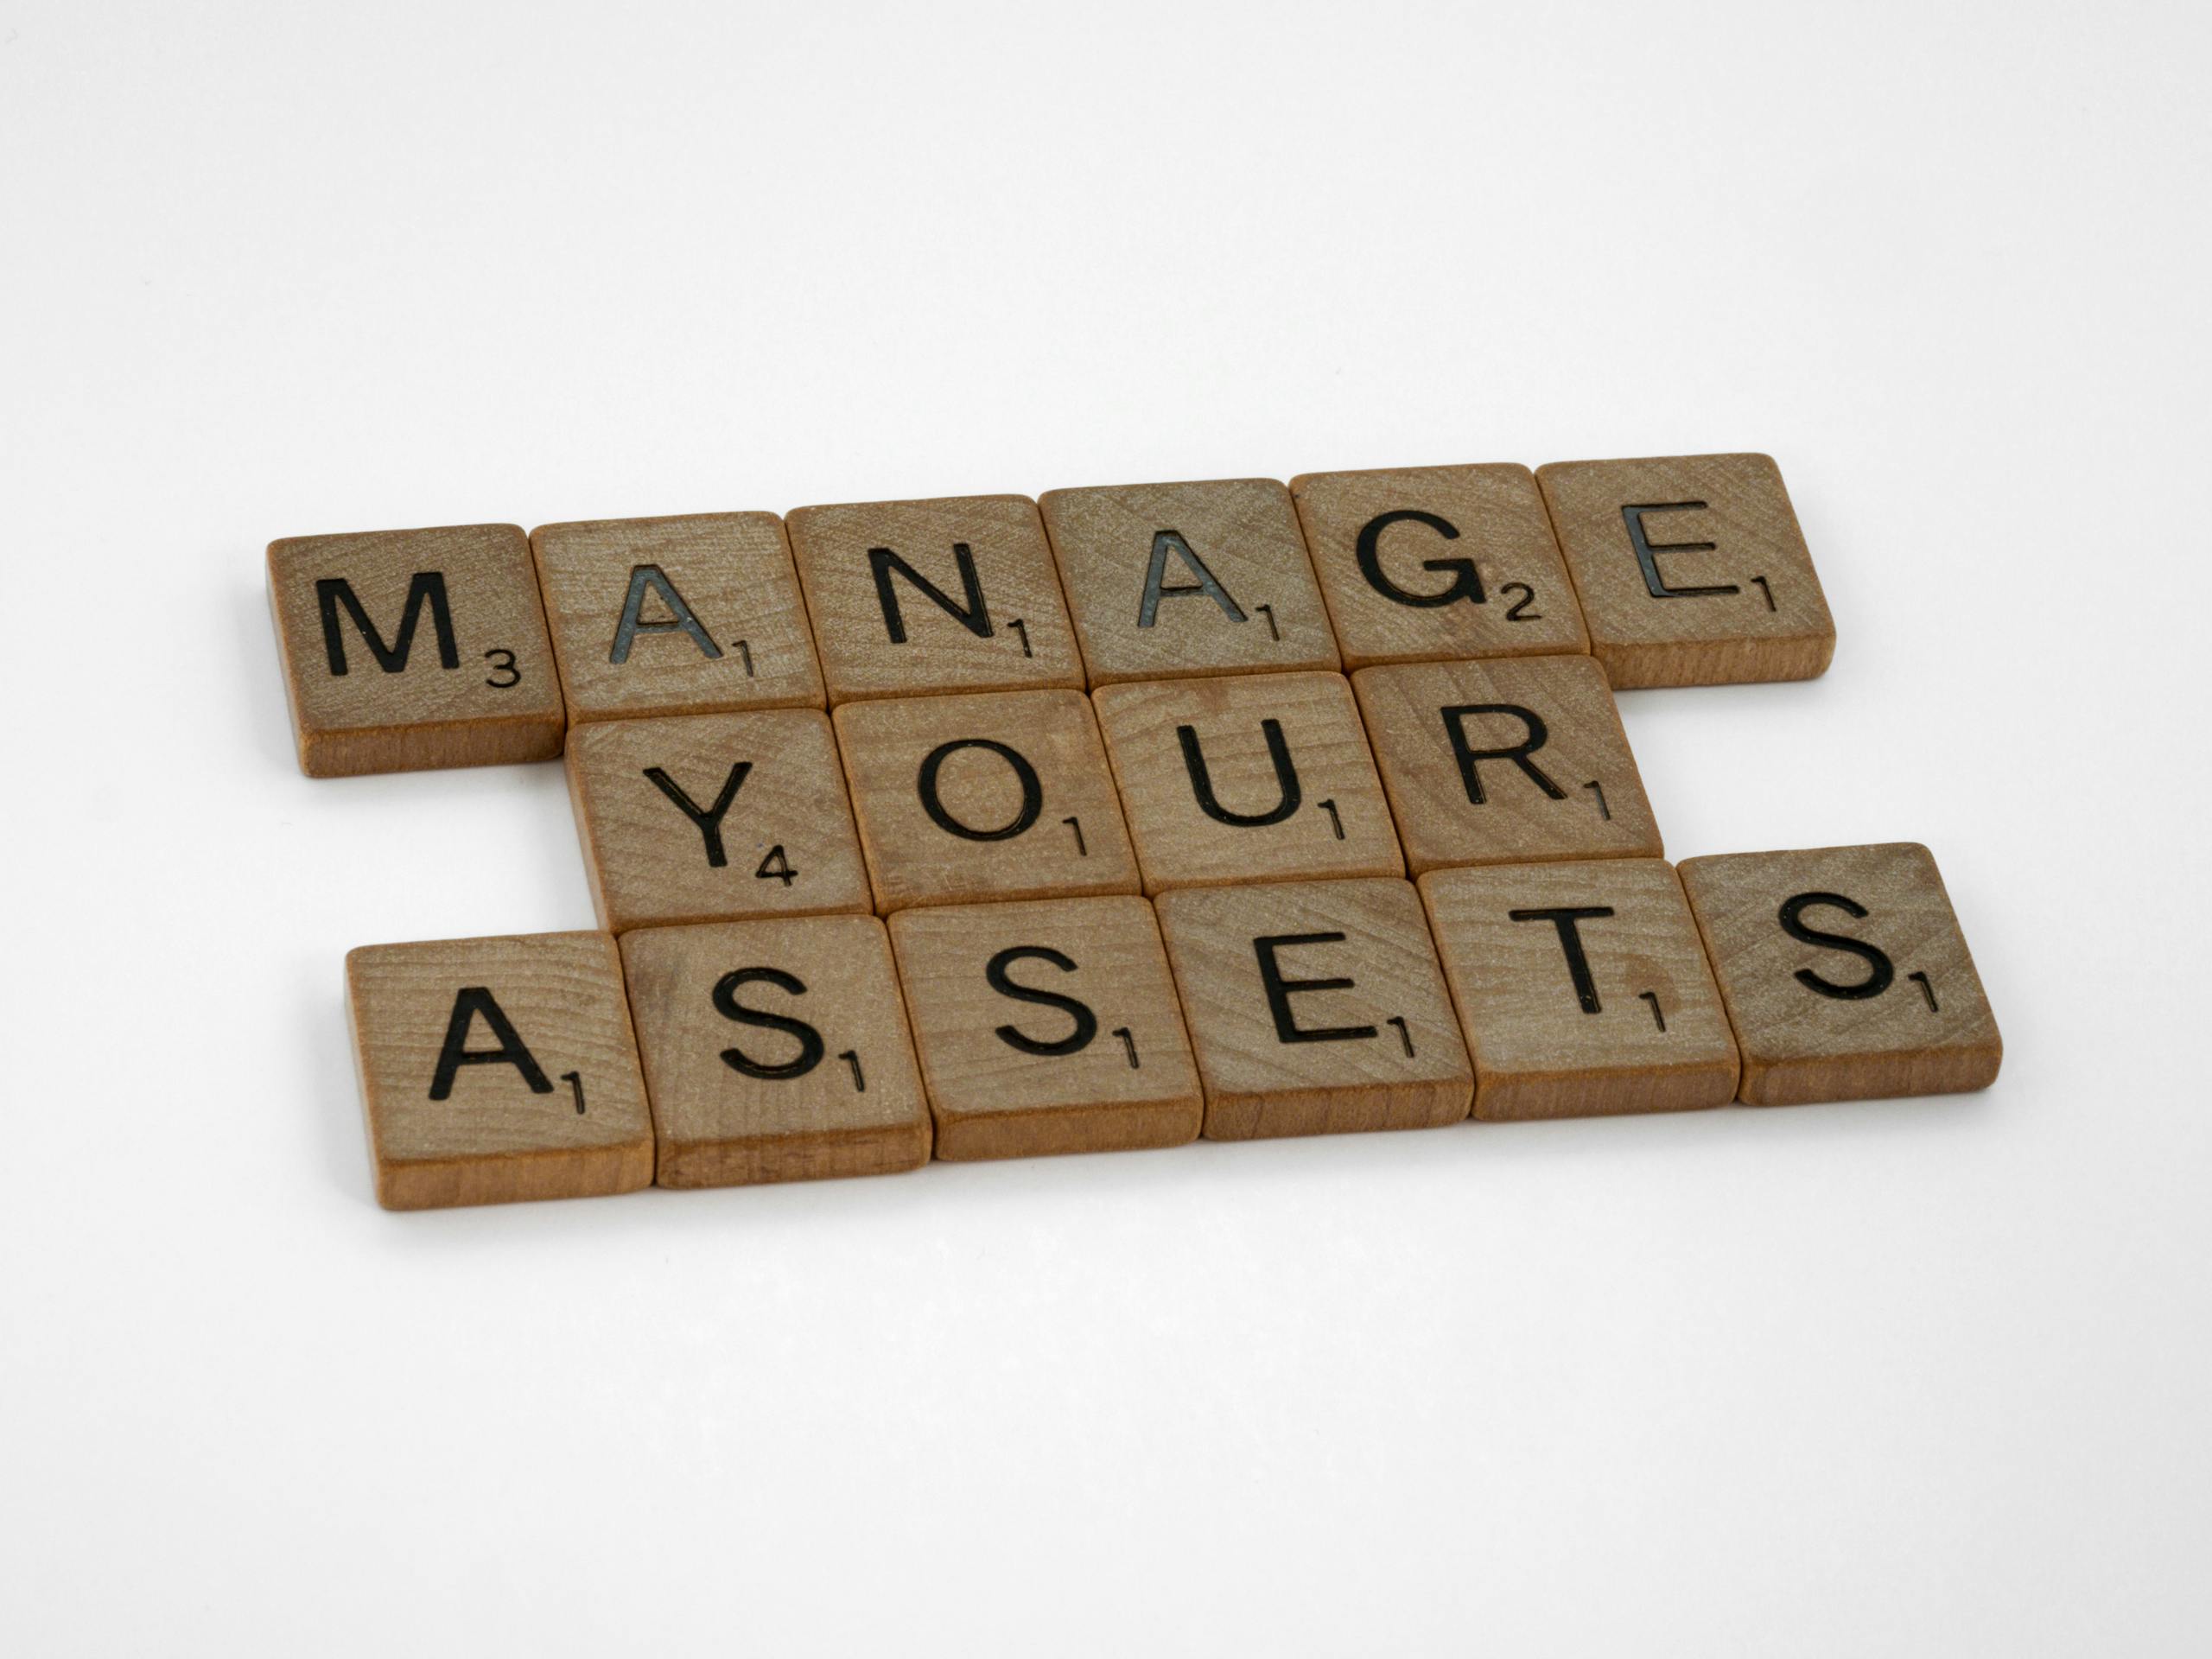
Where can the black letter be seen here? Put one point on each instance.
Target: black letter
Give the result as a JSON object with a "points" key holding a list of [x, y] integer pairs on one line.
{"points": [[809, 1039], [429, 587], [1170, 541], [1086, 1022], [1032, 792], [1880, 970], [1279, 990], [972, 616], [1455, 725], [650, 576], [469, 1002], [709, 820], [1647, 555], [1570, 941], [1194, 762], [1468, 585]]}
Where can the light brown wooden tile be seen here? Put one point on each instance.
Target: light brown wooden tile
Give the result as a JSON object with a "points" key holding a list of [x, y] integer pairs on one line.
{"points": [[499, 1069], [1845, 974], [911, 598], [690, 615], [1691, 569], [1174, 580], [1247, 777], [1423, 564], [1511, 761], [1047, 1027], [990, 795], [1582, 988], [1315, 1007], [775, 1051], [409, 649], [713, 817]]}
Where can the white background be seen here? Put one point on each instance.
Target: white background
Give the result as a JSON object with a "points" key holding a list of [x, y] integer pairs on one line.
{"points": [[1923, 1376]]}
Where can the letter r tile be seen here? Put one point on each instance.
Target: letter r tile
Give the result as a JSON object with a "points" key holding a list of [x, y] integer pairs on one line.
{"points": [[1506, 761], [410, 649]]}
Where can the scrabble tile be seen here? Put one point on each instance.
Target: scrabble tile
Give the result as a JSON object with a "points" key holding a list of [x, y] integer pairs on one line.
{"points": [[1845, 974], [1249, 777], [1315, 1007], [499, 1069], [1047, 1027], [715, 817], [775, 1051], [990, 795], [911, 598], [1511, 761], [1423, 564], [408, 649], [1582, 988], [1167, 580], [690, 615], [1691, 569]]}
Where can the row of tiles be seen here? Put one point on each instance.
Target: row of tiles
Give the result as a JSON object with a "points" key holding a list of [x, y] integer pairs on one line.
{"points": [[475, 644], [1148, 785], [726, 1053]]}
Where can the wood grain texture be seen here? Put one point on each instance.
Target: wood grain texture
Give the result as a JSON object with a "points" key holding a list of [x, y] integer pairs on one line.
{"points": [[763, 828], [1013, 1076], [405, 650], [1299, 1050], [775, 1051], [1263, 614], [1582, 988], [1009, 769], [1542, 805], [1203, 766], [1761, 614], [498, 1069], [715, 619], [1902, 1013], [918, 645], [1464, 564]]}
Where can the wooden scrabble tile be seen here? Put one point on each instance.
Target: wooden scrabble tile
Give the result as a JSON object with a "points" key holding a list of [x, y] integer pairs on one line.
{"points": [[1582, 988], [1249, 777], [775, 1051], [690, 615], [1047, 1027], [1691, 569], [911, 598], [409, 649], [498, 1069], [1509, 762], [1422, 564], [990, 795], [1315, 1007], [1171, 580], [713, 817], [1845, 974]]}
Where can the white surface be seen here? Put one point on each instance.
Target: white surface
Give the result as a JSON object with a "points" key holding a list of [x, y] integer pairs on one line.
{"points": [[1912, 1377]]}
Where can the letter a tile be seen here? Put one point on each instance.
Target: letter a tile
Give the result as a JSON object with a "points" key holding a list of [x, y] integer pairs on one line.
{"points": [[1845, 974], [690, 615], [1047, 1027], [410, 649], [1167, 580], [1691, 569], [1315, 1008], [498, 1069], [994, 795], [775, 1051], [1582, 988], [1508, 761], [710, 817]]}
